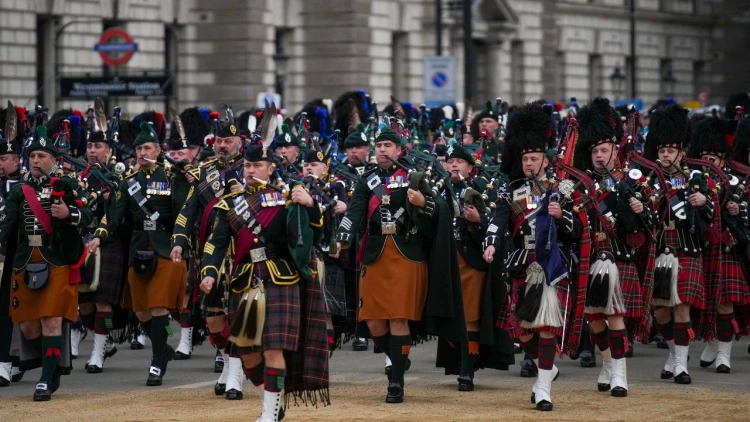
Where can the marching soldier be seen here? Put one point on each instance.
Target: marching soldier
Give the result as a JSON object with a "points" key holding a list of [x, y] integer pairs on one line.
{"points": [[152, 198], [46, 264], [271, 276], [212, 180], [288, 151], [9, 176], [406, 253], [712, 142], [685, 212], [469, 229], [544, 231], [619, 221]]}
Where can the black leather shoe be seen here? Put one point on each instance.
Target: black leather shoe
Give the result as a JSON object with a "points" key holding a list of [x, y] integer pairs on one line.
{"points": [[629, 353], [528, 368], [135, 345], [359, 344], [465, 383], [17, 377], [4, 382], [602, 387], [218, 362], [395, 393], [588, 359], [42, 392], [723, 369], [683, 378], [234, 394], [619, 392], [665, 375], [661, 343], [544, 406], [153, 380], [168, 356], [220, 389], [181, 356]]}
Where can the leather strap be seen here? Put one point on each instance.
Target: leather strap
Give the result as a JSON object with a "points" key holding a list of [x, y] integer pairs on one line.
{"points": [[378, 190], [41, 215]]}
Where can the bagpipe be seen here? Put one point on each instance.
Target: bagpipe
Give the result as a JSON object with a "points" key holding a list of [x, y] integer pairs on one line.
{"points": [[737, 190]]}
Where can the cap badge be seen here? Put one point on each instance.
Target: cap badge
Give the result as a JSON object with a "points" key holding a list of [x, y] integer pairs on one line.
{"points": [[287, 138], [320, 156], [233, 129], [362, 135]]}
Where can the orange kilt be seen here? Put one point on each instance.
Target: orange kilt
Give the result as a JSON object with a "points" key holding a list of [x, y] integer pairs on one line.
{"points": [[392, 287], [58, 298], [472, 287], [165, 289]]}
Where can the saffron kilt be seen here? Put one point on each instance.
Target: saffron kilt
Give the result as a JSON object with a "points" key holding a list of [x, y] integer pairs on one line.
{"points": [[733, 288], [472, 289], [111, 277], [164, 289], [282, 325], [58, 298], [511, 323]]}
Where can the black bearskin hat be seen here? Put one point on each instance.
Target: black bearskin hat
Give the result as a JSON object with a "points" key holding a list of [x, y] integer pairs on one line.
{"points": [[157, 120], [55, 126], [598, 123], [710, 137], [530, 128], [741, 145], [341, 116], [243, 122], [196, 128], [740, 99], [669, 127]]}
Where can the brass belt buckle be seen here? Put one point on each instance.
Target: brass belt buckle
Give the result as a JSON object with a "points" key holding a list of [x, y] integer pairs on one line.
{"points": [[35, 240], [149, 225], [388, 228], [258, 255]]}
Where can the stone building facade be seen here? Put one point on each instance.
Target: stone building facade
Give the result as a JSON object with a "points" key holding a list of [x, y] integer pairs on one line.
{"points": [[228, 51]]}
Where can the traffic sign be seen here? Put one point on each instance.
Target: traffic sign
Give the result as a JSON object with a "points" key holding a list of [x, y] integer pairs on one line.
{"points": [[439, 81], [271, 97], [116, 47]]}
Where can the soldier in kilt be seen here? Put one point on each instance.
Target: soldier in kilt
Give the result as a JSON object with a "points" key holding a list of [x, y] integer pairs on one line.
{"points": [[407, 259], [276, 307], [542, 288], [44, 295], [102, 282], [9, 176], [619, 221], [332, 195], [726, 287], [210, 181], [684, 214], [186, 140], [152, 198]]}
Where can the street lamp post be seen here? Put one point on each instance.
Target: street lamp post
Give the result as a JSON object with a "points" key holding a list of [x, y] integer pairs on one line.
{"points": [[669, 82], [280, 59], [618, 81]]}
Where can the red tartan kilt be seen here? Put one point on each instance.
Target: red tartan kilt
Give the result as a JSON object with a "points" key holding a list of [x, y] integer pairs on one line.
{"points": [[733, 287], [691, 283], [632, 294], [512, 324]]}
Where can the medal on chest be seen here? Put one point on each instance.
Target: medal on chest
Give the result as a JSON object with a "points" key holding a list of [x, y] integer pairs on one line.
{"points": [[396, 182], [159, 188], [271, 199]]}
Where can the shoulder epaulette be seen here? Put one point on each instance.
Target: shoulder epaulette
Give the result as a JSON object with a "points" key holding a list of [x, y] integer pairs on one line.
{"points": [[233, 194], [196, 173], [205, 163], [128, 176]]}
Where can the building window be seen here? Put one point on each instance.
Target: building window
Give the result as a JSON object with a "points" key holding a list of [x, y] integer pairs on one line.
{"points": [[400, 65], [516, 72], [699, 76], [595, 76], [560, 76]]}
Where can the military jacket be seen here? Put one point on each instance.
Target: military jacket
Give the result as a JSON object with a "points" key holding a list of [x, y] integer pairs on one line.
{"points": [[390, 217], [516, 215], [239, 210], [673, 214], [469, 236], [211, 182], [154, 220], [64, 246]]}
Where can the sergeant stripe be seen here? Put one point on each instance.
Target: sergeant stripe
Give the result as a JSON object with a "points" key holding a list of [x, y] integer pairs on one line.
{"points": [[209, 249], [492, 228], [181, 220], [346, 223]]}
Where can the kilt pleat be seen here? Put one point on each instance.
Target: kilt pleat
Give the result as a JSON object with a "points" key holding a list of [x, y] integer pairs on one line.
{"points": [[111, 276]]}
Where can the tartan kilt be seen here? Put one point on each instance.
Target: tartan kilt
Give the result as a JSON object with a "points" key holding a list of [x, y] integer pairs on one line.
{"points": [[511, 323], [111, 276], [733, 288], [282, 325], [690, 282], [334, 290]]}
